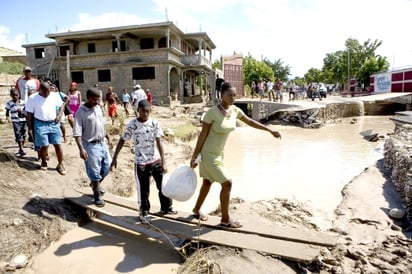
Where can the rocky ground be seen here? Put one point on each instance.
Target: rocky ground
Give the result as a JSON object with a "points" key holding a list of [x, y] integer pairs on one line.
{"points": [[33, 212]]}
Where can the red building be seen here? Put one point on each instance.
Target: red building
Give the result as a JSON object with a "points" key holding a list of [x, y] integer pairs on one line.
{"points": [[233, 72], [393, 81]]}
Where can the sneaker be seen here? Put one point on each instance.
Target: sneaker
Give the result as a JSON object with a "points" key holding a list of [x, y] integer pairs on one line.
{"points": [[61, 169], [170, 211], [22, 153], [43, 166], [145, 218]]}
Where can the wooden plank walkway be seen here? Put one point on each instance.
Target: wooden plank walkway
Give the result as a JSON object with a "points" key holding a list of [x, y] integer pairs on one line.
{"points": [[294, 251], [301, 235]]}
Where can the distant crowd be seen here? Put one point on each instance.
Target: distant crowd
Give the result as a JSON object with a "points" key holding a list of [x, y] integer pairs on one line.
{"points": [[276, 91]]}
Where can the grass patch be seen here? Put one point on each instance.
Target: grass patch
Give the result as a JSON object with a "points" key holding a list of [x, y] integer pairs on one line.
{"points": [[185, 132]]}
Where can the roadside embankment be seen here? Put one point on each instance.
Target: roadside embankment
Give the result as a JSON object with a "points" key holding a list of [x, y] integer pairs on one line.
{"points": [[397, 158]]}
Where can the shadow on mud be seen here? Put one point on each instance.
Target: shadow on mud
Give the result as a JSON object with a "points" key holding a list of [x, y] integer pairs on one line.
{"points": [[28, 163], [49, 207]]}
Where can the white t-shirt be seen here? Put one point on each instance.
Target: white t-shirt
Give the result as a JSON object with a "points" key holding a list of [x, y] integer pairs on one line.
{"points": [[269, 85], [25, 86], [138, 96], [144, 137], [44, 108]]}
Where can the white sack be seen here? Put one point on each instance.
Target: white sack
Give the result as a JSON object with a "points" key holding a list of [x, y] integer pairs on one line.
{"points": [[181, 184]]}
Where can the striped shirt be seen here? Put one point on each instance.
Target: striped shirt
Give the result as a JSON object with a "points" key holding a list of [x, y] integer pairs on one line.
{"points": [[13, 108]]}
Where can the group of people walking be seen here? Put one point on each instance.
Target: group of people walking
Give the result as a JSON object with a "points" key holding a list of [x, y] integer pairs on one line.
{"points": [[43, 110], [277, 91], [274, 90]]}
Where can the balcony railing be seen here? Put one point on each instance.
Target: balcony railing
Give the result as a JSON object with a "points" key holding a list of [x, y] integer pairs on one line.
{"points": [[124, 57], [195, 60]]}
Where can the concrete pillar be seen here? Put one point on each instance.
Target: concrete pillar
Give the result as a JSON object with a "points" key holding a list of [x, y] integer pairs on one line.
{"points": [[167, 38], [200, 51]]}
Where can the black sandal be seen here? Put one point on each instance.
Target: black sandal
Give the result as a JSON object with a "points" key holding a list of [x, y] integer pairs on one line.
{"points": [[231, 224], [200, 216]]}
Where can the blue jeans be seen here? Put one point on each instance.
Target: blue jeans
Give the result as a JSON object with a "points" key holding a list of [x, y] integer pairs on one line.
{"points": [[47, 132], [98, 160]]}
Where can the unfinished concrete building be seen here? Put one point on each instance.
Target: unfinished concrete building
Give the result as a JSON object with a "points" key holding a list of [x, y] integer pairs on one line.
{"points": [[174, 65]]}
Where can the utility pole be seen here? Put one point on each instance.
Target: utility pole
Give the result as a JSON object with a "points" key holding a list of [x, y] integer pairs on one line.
{"points": [[348, 70]]}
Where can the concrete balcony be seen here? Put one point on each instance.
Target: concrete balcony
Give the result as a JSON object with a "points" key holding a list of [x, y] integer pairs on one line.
{"points": [[92, 60], [195, 60]]}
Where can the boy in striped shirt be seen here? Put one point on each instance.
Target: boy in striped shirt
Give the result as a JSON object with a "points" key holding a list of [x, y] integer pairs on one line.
{"points": [[16, 115]]}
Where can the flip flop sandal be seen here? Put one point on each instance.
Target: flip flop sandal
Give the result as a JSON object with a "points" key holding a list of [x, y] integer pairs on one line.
{"points": [[231, 224], [200, 216]]}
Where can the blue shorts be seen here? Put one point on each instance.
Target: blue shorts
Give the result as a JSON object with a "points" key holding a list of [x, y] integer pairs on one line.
{"points": [[98, 160], [47, 132]]}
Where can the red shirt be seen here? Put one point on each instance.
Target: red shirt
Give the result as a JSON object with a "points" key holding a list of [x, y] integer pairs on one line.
{"points": [[149, 97]]}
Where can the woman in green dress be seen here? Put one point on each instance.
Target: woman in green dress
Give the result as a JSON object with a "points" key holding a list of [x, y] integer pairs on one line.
{"points": [[218, 122]]}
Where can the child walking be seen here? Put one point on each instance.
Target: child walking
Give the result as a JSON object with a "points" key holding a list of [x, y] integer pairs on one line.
{"points": [[149, 159], [15, 114], [126, 100]]}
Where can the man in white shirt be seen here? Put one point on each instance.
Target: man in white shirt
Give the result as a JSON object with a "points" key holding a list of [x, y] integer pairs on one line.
{"points": [[137, 96], [269, 86], [44, 111], [26, 84]]}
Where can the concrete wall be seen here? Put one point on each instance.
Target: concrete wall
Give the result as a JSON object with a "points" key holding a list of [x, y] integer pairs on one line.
{"points": [[121, 66]]}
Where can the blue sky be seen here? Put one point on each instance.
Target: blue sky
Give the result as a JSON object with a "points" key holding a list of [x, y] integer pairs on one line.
{"points": [[299, 32]]}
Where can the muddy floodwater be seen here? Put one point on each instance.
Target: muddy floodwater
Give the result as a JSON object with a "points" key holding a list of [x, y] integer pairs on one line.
{"points": [[310, 165], [307, 164]]}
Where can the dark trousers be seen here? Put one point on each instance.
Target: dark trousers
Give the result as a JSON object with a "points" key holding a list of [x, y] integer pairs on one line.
{"points": [[142, 175]]}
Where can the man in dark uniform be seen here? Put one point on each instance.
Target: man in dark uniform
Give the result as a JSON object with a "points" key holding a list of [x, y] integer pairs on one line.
{"points": [[219, 82]]}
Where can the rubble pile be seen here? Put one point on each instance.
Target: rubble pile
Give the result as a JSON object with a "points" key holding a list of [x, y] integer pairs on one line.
{"points": [[398, 158], [318, 116]]}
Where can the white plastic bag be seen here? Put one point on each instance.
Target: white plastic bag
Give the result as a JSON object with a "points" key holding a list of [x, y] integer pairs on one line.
{"points": [[181, 184]]}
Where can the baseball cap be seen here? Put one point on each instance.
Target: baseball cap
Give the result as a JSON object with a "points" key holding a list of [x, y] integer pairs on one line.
{"points": [[137, 86], [27, 68]]}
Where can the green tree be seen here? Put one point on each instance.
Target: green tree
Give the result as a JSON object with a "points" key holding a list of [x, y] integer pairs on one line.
{"points": [[255, 70], [314, 75], [299, 81], [357, 61], [335, 67], [280, 71], [363, 61], [217, 65]]}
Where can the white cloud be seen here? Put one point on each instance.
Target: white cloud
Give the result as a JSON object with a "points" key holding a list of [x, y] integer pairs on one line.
{"points": [[11, 43], [299, 32], [106, 20]]}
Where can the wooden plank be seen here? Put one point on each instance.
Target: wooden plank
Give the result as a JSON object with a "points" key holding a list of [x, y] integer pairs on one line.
{"points": [[272, 231], [293, 251]]}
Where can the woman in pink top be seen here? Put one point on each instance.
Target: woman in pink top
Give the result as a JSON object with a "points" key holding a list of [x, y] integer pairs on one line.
{"points": [[75, 100]]}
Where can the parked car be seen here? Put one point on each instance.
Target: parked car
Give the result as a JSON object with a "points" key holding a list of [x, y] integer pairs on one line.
{"points": [[323, 91]]}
